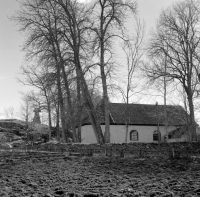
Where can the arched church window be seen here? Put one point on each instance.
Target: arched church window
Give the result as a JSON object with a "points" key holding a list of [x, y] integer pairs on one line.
{"points": [[155, 135], [133, 135]]}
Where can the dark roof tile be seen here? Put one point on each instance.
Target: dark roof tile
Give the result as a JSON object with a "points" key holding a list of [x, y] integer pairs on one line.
{"points": [[142, 114]]}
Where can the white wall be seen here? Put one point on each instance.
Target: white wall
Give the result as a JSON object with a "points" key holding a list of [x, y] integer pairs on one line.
{"points": [[87, 135], [118, 133], [198, 130]]}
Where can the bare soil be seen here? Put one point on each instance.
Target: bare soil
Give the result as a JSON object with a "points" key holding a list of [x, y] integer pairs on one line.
{"points": [[98, 176]]}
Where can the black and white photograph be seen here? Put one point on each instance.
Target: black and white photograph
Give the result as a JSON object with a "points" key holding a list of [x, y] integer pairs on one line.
{"points": [[99, 98]]}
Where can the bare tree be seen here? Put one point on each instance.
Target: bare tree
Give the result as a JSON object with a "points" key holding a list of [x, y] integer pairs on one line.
{"points": [[9, 112], [177, 39], [56, 37], [108, 22], [39, 78], [75, 18], [133, 50], [26, 108], [41, 20]]}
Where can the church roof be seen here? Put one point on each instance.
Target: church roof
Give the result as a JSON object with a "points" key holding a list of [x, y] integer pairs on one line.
{"points": [[141, 114], [178, 132]]}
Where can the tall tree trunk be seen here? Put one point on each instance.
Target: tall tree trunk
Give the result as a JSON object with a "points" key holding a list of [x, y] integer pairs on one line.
{"points": [[106, 108], [192, 119], [127, 114], [79, 132], [90, 107], [58, 122], [72, 123], [105, 95], [65, 134], [186, 114], [190, 99], [165, 103], [27, 116], [49, 118], [79, 109], [58, 60], [126, 136]]}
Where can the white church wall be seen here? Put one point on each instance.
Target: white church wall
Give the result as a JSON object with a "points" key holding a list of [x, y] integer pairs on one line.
{"points": [[118, 133]]}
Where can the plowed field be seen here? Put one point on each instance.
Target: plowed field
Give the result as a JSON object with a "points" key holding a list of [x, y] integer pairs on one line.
{"points": [[98, 176]]}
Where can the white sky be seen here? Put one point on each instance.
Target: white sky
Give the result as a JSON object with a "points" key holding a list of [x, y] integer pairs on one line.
{"points": [[11, 56]]}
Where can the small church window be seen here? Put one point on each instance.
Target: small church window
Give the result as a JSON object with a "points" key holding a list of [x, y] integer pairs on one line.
{"points": [[155, 135], [133, 135]]}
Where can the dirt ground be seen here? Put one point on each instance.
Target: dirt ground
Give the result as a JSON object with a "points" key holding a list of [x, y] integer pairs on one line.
{"points": [[98, 176]]}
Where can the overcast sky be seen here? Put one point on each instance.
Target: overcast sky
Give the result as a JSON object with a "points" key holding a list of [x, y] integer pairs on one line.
{"points": [[11, 56]]}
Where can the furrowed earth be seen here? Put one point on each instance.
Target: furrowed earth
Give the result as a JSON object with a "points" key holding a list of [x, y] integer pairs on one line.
{"points": [[61, 175]]}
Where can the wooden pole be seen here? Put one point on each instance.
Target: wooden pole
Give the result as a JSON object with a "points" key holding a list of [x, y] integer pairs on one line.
{"points": [[158, 129], [165, 103]]}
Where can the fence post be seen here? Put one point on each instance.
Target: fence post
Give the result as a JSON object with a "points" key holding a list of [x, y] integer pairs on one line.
{"points": [[140, 153], [122, 153], [173, 153], [107, 151], [90, 152]]}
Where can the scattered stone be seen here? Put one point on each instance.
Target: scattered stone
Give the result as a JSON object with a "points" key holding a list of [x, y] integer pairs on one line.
{"points": [[33, 184], [72, 195], [59, 192], [48, 195], [197, 190], [91, 195], [23, 181], [35, 195]]}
